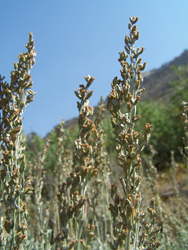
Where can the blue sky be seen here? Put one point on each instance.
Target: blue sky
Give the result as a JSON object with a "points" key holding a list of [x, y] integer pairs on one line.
{"points": [[76, 38]]}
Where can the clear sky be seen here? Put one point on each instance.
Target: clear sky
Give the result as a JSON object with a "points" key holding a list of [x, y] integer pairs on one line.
{"points": [[76, 38]]}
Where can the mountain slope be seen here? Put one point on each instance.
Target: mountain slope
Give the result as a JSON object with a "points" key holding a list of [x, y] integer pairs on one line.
{"points": [[156, 82]]}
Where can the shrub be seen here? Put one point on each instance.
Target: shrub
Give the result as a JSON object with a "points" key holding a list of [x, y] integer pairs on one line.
{"points": [[63, 194]]}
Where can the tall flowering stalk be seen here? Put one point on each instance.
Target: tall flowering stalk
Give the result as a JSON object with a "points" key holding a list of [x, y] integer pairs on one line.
{"points": [[184, 150], [14, 97], [129, 227], [72, 192]]}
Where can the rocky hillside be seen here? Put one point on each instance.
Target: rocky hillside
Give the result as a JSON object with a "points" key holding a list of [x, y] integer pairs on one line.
{"points": [[156, 82]]}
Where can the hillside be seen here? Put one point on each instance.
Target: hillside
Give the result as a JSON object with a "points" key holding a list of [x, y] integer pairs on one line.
{"points": [[156, 82]]}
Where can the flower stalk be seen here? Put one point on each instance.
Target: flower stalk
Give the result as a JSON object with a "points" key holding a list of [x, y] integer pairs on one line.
{"points": [[72, 193], [14, 99], [126, 211]]}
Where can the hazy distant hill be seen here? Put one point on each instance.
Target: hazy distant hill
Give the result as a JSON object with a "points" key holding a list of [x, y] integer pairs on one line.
{"points": [[156, 82]]}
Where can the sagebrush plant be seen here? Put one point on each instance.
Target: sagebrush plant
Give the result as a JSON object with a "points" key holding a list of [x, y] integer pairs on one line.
{"points": [[172, 218], [69, 205], [151, 178], [40, 235], [98, 193], [15, 96], [62, 168], [184, 151], [72, 192], [64, 160], [130, 229]]}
